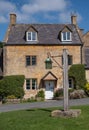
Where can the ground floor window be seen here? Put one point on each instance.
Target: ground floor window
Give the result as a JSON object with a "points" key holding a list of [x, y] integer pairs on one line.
{"points": [[71, 83], [31, 84]]}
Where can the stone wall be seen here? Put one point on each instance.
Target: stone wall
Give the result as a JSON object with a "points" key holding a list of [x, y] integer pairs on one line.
{"points": [[15, 62], [86, 45]]}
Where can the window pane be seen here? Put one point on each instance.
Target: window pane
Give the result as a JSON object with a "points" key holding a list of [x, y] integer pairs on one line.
{"points": [[27, 83], [71, 83], [34, 83], [28, 60], [29, 36], [33, 60], [64, 35], [70, 60], [33, 36], [68, 35]]}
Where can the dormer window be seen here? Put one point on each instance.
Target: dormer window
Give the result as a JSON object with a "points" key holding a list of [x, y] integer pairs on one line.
{"points": [[66, 36], [31, 36]]}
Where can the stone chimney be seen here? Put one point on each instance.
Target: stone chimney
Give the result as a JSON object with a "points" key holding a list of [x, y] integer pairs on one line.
{"points": [[12, 19], [74, 19]]}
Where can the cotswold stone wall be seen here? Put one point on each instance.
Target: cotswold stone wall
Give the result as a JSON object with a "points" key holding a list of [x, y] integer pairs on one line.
{"points": [[15, 62], [85, 45]]}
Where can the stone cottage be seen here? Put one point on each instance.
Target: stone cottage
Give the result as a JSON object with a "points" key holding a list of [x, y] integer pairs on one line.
{"points": [[27, 52], [1, 63]]}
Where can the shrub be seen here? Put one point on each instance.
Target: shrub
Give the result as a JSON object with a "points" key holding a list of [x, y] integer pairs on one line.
{"points": [[77, 94], [12, 85], [78, 73], [31, 99], [40, 94], [58, 92], [87, 88], [11, 97]]}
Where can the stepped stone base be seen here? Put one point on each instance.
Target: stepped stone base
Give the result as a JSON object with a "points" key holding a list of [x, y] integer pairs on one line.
{"points": [[69, 113]]}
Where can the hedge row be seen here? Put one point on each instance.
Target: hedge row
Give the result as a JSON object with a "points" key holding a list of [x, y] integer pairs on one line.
{"points": [[77, 71], [12, 85]]}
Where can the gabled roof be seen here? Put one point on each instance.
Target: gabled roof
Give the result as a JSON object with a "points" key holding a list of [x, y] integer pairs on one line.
{"points": [[47, 34], [31, 27], [49, 76], [66, 28]]}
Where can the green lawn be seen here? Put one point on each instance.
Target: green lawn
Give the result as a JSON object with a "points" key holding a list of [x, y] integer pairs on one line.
{"points": [[40, 119]]}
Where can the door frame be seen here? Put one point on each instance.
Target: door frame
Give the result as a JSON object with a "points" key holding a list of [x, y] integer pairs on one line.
{"points": [[55, 82]]}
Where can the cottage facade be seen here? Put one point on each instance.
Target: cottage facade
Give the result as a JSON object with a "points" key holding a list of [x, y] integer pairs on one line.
{"points": [[28, 48]]}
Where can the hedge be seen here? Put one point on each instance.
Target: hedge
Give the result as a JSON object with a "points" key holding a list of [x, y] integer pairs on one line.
{"points": [[1, 44], [77, 71], [12, 85]]}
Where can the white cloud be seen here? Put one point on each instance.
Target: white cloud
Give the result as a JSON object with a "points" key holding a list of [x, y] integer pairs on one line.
{"points": [[44, 5], [21, 17], [50, 9], [6, 7], [3, 19], [65, 16]]}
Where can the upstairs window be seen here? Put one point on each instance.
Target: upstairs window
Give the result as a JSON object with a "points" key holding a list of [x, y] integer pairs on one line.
{"points": [[30, 60], [31, 36], [66, 36], [70, 60]]}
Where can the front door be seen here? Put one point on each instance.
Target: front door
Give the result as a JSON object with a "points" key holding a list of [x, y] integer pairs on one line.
{"points": [[49, 89]]}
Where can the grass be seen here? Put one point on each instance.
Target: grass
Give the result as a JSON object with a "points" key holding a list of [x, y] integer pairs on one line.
{"points": [[40, 119]]}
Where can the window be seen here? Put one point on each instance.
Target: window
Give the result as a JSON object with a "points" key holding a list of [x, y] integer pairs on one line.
{"points": [[70, 60], [31, 84], [31, 36], [66, 36], [30, 60], [71, 84], [34, 84], [27, 84]]}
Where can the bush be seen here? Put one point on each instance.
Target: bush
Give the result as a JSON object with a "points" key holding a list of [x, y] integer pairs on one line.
{"points": [[58, 92], [78, 73], [40, 94], [87, 88], [77, 94], [11, 97], [12, 85]]}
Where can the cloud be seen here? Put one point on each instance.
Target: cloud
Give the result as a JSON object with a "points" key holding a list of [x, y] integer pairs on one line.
{"points": [[44, 5], [6, 8], [3, 19], [65, 16], [36, 11]]}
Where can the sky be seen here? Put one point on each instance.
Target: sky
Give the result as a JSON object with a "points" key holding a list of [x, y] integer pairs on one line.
{"points": [[44, 11]]}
